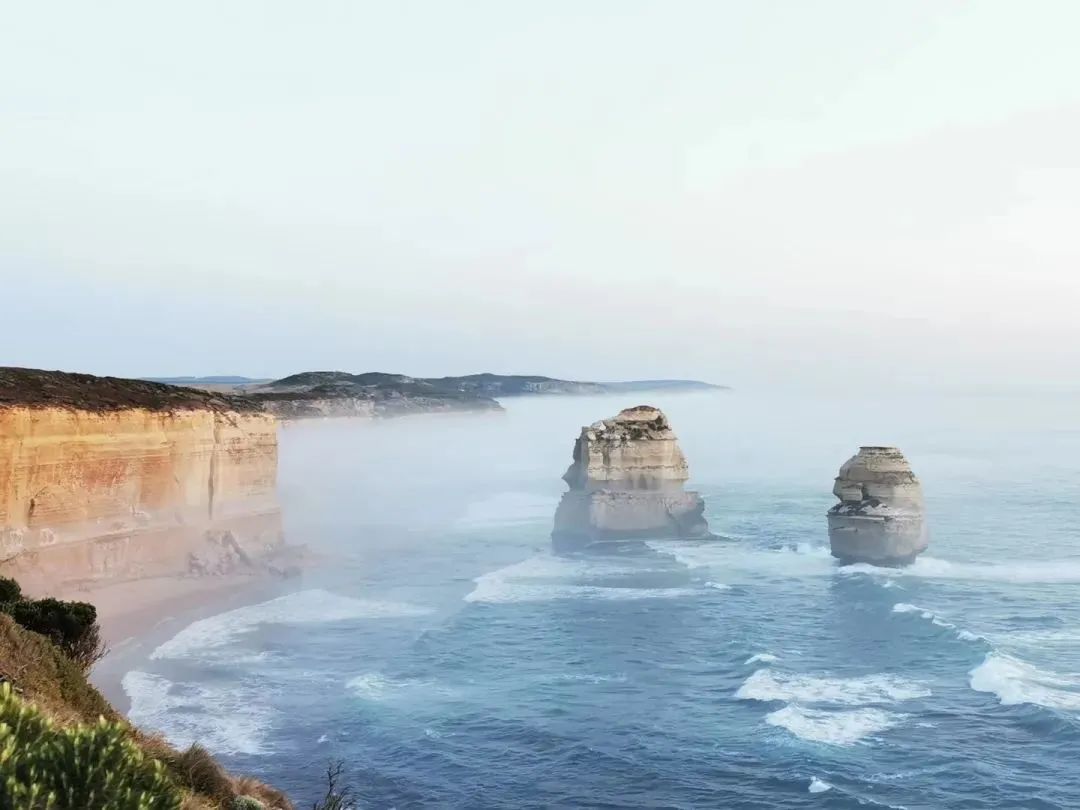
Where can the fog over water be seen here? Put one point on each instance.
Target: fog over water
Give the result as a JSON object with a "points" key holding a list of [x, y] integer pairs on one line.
{"points": [[452, 661]]}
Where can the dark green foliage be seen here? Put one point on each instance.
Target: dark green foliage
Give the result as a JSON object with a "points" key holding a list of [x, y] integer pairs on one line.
{"points": [[95, 767], [71, 626], [9, 590]]}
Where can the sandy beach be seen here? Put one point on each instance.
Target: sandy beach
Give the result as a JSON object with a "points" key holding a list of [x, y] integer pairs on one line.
{"points": [[138, 615]]}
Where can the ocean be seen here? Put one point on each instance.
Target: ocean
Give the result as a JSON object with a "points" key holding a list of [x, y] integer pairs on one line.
{"points": [[448, 659]]}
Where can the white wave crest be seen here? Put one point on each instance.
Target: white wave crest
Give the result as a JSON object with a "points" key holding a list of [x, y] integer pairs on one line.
{"points": [[545, 578], [1014, 571], [762, 658], [832, 727], [733, 558], [225, 719], [304, 607], [1015, 681], [936, 620], [818, 786], [768, 685]]}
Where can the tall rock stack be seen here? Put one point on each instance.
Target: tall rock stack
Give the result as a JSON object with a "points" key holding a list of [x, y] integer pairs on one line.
{"points": [[626, 481], [879, 519]]}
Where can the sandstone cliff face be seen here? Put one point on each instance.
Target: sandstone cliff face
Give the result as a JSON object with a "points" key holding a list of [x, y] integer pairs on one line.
{"points": [[626, 481], [137, 491], [880, 517]]}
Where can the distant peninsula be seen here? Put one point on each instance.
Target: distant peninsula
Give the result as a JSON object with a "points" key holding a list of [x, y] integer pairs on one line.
{"points": [[375, 394]]}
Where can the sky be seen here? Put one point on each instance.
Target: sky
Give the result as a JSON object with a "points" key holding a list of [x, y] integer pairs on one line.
{"points": [[759, 193]]}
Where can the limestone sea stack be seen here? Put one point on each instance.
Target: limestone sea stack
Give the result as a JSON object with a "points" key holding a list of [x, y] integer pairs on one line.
{"points": [[626, 481], [879, 519]]}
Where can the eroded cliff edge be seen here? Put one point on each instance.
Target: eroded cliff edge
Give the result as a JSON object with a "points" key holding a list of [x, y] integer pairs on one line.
{"points": [[104, 478], [626, 481]]}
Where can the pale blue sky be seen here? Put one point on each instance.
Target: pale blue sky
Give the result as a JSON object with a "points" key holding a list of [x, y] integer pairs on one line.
{"points": [[750, 192]]}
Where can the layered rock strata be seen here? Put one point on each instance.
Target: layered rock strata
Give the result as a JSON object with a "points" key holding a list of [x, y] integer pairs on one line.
{"points": [[106, 479], [626, 481], [880, 517]]}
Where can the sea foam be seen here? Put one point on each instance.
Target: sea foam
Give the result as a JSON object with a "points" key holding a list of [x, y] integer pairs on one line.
{"points": [[1008, 571], [797, 560], [832, 728], [545, 578], [226, 719], [769, 685], [377, 687], [1015, 681], [304, 607], [762, 658]]}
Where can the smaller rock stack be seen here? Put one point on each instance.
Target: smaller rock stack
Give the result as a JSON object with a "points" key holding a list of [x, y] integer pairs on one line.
{"points": [[626, 481], [879, 519]]}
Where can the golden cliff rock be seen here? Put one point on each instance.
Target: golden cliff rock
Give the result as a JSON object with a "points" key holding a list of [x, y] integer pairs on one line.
{"points": [[106, 479]]}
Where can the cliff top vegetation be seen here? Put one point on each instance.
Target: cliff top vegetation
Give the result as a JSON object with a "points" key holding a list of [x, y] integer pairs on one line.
{"points": [[61, 389]]}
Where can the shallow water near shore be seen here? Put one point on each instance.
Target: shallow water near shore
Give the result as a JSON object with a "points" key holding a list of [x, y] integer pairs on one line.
{"points": [[450, 660]]}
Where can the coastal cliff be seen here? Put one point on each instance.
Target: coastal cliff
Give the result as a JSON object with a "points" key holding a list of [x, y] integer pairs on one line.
{"points": [[102, 478], [626, 481]]}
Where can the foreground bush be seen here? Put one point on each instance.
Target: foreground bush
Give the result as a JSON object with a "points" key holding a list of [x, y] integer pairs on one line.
{"points": [[71, 626], [98, 767], [10, 590]]}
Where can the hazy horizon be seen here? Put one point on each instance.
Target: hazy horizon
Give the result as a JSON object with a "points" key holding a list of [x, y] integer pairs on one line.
{"points": [[748, 193]]}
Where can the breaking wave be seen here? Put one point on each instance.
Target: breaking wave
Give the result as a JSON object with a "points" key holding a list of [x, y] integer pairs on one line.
{"points": [[936, 620], [824, 723], [304, 607], [800, 559], [224, 719], [1013, 572], [545, 578], [768, 685], [1015, 681], [762, 658], [832, 727]]}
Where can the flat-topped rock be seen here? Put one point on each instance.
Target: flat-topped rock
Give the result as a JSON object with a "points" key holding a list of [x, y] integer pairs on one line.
{"points": [[635, 450], [880, 518], [626, 481]]}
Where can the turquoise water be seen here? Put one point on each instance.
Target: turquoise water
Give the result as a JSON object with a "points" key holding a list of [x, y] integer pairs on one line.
{"points": [[450, 660]]}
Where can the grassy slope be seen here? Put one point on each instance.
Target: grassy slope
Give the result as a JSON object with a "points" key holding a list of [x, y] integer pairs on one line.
{"points": [[42, 674]]}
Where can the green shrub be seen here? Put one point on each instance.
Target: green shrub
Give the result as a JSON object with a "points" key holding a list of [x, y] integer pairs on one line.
{"points": [[246, 803], [71, 626], [97, 767], [10, 590]]}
